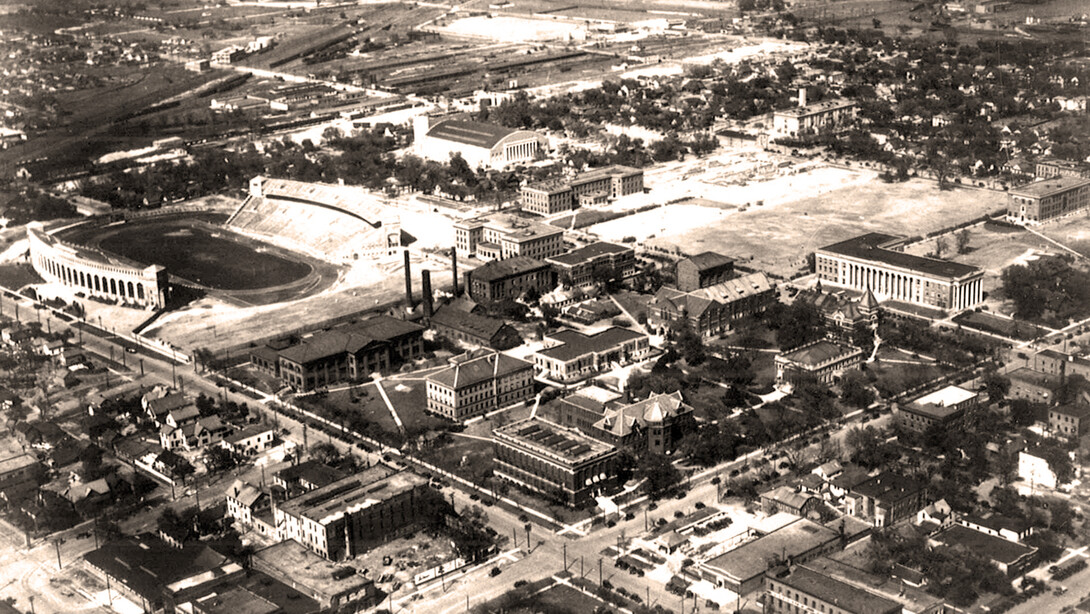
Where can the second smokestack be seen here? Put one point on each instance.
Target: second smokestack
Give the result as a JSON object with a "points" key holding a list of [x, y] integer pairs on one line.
{"points": [[408, 281], [454, 268], [425, 283]]}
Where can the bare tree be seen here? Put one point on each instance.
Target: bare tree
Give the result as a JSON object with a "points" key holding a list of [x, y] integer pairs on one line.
{"points": [[961, 241]]}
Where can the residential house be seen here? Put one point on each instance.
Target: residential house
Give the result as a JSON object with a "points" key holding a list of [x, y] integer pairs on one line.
{"points": [[250, 440], [886, 499]]}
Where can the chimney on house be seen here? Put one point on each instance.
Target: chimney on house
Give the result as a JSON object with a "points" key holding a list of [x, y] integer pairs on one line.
{"points": [[454, 269], [408, 281], [425, 283], [802, 96]]}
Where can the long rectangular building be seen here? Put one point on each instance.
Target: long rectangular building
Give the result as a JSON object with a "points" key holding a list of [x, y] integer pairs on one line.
{"points": [[349, 516], [501, 235], [574, 356], [478, 382], [1047, 199], [549, 459], [876, 262]]}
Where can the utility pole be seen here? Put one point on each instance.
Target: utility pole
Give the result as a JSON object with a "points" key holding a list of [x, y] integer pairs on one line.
{"points": [[565, 544], [599, 571], [58, 545], [529, 547], [580, 566], [141, 363], [515, 536]]}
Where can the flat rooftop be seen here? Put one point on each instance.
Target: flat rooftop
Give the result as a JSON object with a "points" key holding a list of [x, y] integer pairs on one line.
{"points": [[872, 247], [553, 440], [575, 344], [513, 227], [817, 107], [752, 559], [308, 569], [819, 352], [994, 548], [365, 489], [1036, 378], [1049, 187], [846, 597], [941, 403]]}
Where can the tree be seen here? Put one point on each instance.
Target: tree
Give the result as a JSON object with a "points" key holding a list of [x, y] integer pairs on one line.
{"points": [[689, 343], [219, 458], [996, 385], [962, 239], [325, 453], [940, 246], [661, 475], [855, 390]]}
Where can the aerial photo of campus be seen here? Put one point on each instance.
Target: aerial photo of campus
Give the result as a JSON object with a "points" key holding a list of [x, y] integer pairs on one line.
{"points": [[544, 307]]}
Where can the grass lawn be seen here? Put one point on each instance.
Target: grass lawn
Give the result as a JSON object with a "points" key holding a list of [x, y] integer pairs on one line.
{"points": [[893, 378], [409, 399], [368, 407], [632, 302]]}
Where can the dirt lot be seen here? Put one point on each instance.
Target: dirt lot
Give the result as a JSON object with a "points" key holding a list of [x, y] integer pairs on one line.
{"points": [[778, 237]]}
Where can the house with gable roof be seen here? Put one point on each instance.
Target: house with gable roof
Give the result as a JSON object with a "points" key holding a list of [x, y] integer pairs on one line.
{"points": [[477, 382]]}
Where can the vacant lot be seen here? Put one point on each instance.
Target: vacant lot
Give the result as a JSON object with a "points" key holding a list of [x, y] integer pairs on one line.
{"points": [[778, 237]]}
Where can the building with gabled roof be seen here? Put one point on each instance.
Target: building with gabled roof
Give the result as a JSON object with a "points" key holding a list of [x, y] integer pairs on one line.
{"points": [[477, 382], [712, 310], [306, 476], [559, 463], [1012, 558], [467, 327], [703, 270], [343, 353], [788, 499], [148, 570], [654, 424]]}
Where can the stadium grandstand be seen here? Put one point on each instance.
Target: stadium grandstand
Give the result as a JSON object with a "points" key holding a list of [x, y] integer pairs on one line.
{"points": [[339, 224]]}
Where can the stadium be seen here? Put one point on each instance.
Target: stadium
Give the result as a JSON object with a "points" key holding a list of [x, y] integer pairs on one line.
{"points": [[287, 240]]}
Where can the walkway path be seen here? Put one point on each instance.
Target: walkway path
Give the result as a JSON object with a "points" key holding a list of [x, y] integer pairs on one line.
{"points": [[390, 406]]}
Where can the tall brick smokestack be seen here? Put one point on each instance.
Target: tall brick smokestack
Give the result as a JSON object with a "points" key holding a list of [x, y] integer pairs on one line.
{"points": [[408, 281], [454, 268], [425, 283]]}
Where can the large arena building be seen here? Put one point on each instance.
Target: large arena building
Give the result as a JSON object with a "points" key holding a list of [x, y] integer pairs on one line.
{"points": [[481, 145], [97, 273], [338, 224]]}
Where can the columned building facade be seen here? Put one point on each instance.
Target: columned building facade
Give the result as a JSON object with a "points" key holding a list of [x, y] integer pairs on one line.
{"points": [[873, 262], [96, 273]]}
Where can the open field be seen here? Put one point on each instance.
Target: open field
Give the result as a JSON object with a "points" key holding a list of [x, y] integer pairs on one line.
{"points": [[778, 237], [994, 248], [212, 258]]}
